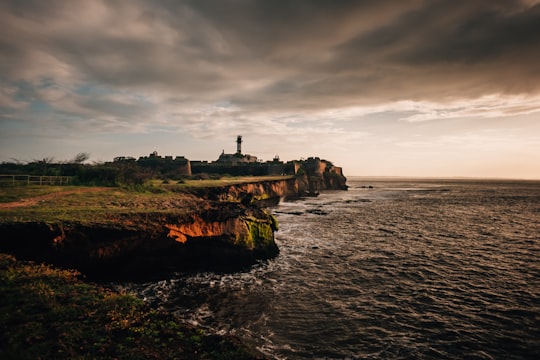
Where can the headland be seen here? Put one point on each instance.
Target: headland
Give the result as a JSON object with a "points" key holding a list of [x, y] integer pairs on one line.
{"points": [[169, 222], [138, 220]]}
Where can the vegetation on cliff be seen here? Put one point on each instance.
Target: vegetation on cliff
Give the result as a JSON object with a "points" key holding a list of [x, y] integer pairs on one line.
{"points": [[49, 313], [261, 234]]}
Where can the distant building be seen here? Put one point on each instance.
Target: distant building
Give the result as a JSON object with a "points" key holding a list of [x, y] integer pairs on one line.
{"points": [[239, 144], [238, 157], [166, 165]]}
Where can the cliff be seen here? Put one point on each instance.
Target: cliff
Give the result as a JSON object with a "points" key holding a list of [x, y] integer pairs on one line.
{"points": [[259, 193], [310, 177], [314, 175], [222, 236], [108, 233]]}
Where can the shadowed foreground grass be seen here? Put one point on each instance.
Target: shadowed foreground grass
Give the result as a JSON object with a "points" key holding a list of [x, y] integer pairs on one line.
{"points": [[49, 313]]}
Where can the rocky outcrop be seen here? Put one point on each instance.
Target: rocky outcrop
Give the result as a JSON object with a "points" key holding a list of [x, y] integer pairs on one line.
{"points": [[261, 193], [311, 176], [226, 236], [315, 175]]}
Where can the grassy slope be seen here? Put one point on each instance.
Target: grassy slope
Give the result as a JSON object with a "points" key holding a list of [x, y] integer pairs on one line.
{"points": [[49, 313]]}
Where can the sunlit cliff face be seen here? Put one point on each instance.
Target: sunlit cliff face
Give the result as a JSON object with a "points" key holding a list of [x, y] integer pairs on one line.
{"points": [[204, 228]]}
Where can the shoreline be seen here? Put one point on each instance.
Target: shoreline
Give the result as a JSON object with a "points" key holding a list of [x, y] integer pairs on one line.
{"points": [[88, 229], [113, 234]]}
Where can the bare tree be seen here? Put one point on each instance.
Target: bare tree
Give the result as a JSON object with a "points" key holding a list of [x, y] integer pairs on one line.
{"points": [[80, 158], [45, 160], [16, 161]]}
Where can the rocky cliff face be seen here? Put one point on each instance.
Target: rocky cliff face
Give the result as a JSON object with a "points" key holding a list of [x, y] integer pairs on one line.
{"points": [[225, 236], [315, 175], [312, 176], [262, 192]]}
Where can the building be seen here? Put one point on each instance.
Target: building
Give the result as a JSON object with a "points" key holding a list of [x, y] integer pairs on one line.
{"points": [[237, 158], [177, 166]]}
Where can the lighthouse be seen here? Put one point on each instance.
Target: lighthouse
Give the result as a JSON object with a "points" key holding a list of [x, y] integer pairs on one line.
{"points": [[239, 144], [238, 157]]}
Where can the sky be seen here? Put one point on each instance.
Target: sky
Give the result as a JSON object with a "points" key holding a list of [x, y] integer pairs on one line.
{"points": [[439, 88]]}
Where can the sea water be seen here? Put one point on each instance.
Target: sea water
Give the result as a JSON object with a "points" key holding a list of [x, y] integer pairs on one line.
{"points": [[391, 269]]}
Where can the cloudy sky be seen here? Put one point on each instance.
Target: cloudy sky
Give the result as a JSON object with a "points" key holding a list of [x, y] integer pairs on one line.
{"points": [[409, 87]]}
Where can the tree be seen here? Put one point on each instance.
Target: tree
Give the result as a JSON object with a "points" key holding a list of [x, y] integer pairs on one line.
{"points": [[45, 160], [80, 158]]}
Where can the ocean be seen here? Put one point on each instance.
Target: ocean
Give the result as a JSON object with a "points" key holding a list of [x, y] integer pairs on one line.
{"points": [[390, 269]]}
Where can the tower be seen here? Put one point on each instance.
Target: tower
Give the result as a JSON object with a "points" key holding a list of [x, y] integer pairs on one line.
{"points": [[239, 144]]}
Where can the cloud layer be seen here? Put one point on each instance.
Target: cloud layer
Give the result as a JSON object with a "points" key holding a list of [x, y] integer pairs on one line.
{"points": [[208, 68]]}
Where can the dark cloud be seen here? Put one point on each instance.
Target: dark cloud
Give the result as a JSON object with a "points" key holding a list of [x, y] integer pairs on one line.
{"points": [[266, 55], [447, 35]]}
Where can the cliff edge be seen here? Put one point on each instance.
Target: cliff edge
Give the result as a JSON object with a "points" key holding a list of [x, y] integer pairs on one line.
{"points": [[113, 233]]}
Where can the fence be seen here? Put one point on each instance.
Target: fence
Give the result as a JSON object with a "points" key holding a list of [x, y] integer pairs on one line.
{"points": [[34, 180]]}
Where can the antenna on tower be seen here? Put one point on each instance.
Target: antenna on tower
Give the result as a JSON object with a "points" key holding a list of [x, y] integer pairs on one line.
{"points": [[239, 144]]}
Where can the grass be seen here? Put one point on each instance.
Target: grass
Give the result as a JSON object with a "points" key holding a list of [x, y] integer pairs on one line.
{"points": [[50, 313], [87, 204], [151, 188], [224, 181], [84, 204]]}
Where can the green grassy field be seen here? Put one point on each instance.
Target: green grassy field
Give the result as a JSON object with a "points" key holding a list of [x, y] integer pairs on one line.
{"points": [[85, 204], [15, 193]]}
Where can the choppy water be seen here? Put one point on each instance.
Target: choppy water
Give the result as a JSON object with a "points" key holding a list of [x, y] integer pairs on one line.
{"points": [[411, 269]]}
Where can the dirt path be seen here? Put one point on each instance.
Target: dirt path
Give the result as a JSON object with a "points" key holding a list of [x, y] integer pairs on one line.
{"points": [[36, 199]]}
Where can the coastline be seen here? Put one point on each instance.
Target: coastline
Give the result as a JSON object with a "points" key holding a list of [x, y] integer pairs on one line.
{"points": [[108, 233], [113, 233]]}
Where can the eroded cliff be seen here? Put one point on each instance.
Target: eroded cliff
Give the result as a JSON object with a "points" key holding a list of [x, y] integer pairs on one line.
{"points": [[221, 236], [260, 193], [315, 175], [311, 176]]}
